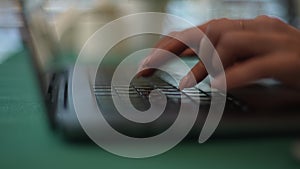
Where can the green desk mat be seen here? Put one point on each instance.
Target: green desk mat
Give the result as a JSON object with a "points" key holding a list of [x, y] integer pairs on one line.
{"points": [[27, 142]]}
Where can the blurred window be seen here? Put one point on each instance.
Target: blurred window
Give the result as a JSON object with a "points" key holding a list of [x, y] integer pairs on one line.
{"points": [[199, 11]]}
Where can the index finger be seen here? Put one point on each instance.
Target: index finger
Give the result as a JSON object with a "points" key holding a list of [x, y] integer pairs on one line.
{"points": [[176, 43]]}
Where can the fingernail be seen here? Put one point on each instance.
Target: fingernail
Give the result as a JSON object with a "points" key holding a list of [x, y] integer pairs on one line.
{"points": [[143, 65], [187, 81], [145, 61], [215, 84], [219, 84]]}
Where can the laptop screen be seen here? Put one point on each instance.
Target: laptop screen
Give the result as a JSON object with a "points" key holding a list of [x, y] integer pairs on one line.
{"points": [[39, 39]]}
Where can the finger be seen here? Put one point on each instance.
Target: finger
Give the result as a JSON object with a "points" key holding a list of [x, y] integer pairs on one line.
{"points": [[265, 23], [143, 71], [197, 74], [158, 57], [218, 27], [251, 70], [164, 41], [176, 44], [188, 52], [234, 45], [238, 46], [285, 68], [215, 31]]}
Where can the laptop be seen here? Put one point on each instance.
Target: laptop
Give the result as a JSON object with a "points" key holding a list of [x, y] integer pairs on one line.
{"points": [[259, 109]]}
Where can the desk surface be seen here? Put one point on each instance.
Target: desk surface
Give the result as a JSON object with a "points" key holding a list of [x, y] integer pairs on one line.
{"points": [[27, 142]]}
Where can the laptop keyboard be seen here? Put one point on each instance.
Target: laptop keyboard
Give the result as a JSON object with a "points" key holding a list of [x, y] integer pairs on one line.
{"points": [[141, 89]]}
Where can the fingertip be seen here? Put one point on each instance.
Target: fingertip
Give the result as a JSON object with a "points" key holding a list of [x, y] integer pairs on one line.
{"points": [[187, 81], [146, 72], [188, 52], [143, 69], [220, 83]]}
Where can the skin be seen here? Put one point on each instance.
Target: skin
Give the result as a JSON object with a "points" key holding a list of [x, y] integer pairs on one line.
{"points": [[250, 50]]}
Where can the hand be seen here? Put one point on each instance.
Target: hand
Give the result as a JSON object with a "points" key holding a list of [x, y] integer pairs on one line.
{"points": [[250, 50]]}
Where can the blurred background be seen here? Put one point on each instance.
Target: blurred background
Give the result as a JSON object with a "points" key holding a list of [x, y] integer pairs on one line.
{"points": [[66, 25], [70, 22]]}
